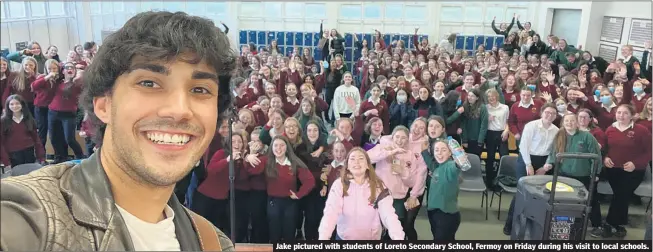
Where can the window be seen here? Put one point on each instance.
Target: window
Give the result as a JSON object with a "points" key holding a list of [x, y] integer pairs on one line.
{"points": [[372, 11], [394, 10], [294, 9], [520, 12], [195, 8], [16, 9], [57, 8], [415, 13], [107, 8], [315, 10], [350, 11], [118, 7], [132, 7], [175, 6], [273, 9], [151, 6], [474, 14], [96, 8], [498, 12], [451, 14], [216, 8], [251, 9], [2, 9], [37, 8]]}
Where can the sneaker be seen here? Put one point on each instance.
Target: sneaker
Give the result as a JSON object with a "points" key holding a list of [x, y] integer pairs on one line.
{"points": [[607, 231], [620, 232], [596, 232]]}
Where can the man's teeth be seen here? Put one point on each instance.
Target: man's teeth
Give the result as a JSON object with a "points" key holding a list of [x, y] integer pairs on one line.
{"points": [[165, 138]]}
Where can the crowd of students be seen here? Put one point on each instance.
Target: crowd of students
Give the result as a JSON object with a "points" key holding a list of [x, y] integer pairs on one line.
{"points": [[325, 152]]}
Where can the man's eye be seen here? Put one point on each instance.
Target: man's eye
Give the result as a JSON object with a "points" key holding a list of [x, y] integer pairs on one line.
{"points": [[148, 83], [200, 90]]}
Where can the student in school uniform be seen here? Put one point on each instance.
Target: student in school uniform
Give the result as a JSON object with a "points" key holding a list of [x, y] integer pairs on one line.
{"points": [[282, 168], [425, 104], [22, 80], [359, 204], [372, 133], [331, 172], [586, 123], [627, 153], [503, 28], [511, 90], [19, 143], [273, 127], [570, 138], [442, 204], [474, 123], [374, 106], [211, 199], [497, 134], [258, 197], [43, 88], [639, 96], [534, 148], [62, 111], [346, 132], [523, 112]]}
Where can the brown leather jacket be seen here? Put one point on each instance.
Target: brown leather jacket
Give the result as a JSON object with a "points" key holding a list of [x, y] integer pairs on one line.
{"points": [[70, 207]]}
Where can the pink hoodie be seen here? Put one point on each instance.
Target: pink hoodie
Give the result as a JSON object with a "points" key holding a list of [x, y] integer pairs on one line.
{"points": [[355, 218], [413, 175]]}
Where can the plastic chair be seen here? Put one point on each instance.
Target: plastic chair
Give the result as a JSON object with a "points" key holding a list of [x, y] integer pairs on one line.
{"points": [[644, 189], [507, 167], [472, 180]]}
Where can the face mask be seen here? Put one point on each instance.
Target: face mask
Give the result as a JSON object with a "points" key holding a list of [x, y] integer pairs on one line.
{"points": [[458, 103], [611, 89], [531, 87], [606, 100], [597, 93], [401, 98], [562, 108], [638, 90]]}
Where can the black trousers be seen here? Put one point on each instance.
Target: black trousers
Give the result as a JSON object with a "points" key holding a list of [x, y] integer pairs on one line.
{"points": [[41, 118], [408, 222], [473, 148], [595, 214], [623, 185], [242, 216], [214, 210], [258, 202], [281, 218], [444, 225], [328, 95], [313, 205], [24, 156], [493, 143]]}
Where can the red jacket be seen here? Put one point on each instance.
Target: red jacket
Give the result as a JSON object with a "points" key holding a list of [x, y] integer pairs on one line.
{"points": [[19, 138]]}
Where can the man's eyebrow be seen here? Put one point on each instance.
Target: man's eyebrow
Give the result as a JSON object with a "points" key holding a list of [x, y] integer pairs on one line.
{"points": [[149, 67], [200, 75]]}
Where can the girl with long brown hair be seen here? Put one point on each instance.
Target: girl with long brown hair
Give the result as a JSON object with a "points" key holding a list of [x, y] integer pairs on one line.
{"points": [[359, 203], [570, 139], [282, 169]]}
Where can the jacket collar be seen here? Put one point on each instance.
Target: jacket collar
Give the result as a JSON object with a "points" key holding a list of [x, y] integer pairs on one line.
{"points": [[88, 193]]}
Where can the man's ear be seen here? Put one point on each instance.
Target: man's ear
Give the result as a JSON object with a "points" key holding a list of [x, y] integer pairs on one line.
{"points": [[102, 108]]}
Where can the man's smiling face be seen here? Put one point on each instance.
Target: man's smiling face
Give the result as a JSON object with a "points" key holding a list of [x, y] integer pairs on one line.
{"points": [[160, 118]]}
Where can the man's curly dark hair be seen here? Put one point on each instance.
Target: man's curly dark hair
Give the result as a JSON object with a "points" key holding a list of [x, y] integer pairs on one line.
{"points": [[158, 36]]}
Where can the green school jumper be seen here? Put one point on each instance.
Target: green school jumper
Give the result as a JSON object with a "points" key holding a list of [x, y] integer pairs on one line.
{"points": [[579, 142], [443, 190], [474, 129]]}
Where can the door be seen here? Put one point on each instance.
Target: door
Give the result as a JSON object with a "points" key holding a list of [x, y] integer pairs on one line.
{"points": [[566, 25]]}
